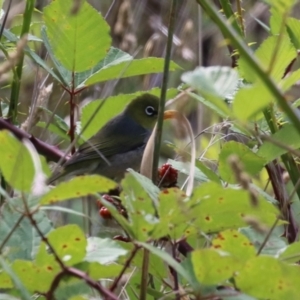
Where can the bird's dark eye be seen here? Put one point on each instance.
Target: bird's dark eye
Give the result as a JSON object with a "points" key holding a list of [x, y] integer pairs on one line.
{"points": [[150, 111]]}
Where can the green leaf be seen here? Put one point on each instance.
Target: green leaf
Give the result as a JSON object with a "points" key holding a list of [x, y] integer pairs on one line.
{"points": [[130, 68], [16, 162], [138, 203], [98, 271], [35, 277], [17, 282], [287, 136], [251, 163], [5, 281], [281, 285], [24, 241], [293, 29], [173, 215], [184, 168], [255, 98], [275, 242], [75, 37], [215, 84], [79, 186], [103, 251], [215, 208], [291, 253], [285, 53], [69, 243], [292, 79], [282, 6], [235, 244], [212, 266], [110, 108]]}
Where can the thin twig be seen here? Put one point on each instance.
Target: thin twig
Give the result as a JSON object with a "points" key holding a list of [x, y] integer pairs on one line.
{"points": [[267, 237], [126, 265], [160, 119], [11, 232]]}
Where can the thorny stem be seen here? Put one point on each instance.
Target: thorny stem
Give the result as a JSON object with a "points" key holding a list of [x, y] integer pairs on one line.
{"points": [[175, 275], [160, 119], [72, 114]]}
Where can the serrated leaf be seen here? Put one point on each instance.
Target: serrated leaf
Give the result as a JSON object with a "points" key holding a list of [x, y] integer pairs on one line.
{"points": [[281, 285], [79, 186], [251, 162], [287, 135], [235, 244], [129, 68], [293, 30], [214, 84], [285, 53], [110, 108], [75, 38], [255, 98], [103, 251], [212, 266], [282, 6], [215, 208]]}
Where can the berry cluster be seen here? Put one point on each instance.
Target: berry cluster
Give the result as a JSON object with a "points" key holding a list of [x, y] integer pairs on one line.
{"points": [[167, 176], [104, 211]]}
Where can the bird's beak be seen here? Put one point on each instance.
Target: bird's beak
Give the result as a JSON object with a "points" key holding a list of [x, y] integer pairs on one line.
{"points": [[170, 114]]}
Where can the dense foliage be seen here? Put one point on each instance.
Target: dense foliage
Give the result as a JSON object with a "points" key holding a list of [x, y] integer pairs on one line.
{"points": [[228, 229]]}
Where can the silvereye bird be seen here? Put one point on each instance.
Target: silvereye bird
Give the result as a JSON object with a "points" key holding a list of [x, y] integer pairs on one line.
{"points": [[121, 142]]}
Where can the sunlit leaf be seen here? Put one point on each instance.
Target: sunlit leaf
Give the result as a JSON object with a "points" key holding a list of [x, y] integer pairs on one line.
{"points": [[79, 186], [75, 37], [285, 53], [212, 266]]}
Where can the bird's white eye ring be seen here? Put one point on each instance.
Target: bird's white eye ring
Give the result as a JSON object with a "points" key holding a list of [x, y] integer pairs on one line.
{"points": [[150, 111]]}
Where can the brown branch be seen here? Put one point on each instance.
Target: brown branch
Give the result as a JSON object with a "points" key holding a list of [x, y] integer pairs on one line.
{"points": [[51, 153]]}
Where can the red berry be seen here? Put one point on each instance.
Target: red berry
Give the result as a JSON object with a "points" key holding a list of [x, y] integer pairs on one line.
{"points": [[108, 198], [167, 175], [104, 213]]}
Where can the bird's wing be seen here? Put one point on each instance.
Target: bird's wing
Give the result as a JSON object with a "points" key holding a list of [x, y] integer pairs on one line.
{"points": [[116, 137]]}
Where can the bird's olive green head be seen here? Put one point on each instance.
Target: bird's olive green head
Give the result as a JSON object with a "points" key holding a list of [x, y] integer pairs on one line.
{"points": [[143, 110]]}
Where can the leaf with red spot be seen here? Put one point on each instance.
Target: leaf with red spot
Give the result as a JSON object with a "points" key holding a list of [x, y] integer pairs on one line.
{"points": [[33, 276], [69, 243], [212, 266], [173, 211], [79, 186], [216, 208], [266, 277], [234, 243]]}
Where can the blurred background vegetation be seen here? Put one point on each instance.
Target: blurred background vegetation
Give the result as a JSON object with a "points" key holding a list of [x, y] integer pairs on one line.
{"points": [[139, 27]]}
